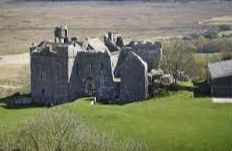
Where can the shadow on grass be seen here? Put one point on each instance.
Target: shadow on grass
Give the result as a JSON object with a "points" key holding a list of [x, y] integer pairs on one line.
{"points": [[201, 89], [20, 106], [18, 101], [179, 87], [161, 92]]}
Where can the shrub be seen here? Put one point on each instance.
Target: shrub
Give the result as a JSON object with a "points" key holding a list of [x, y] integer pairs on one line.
{"points": [[215, 45], [224, 27], [8, 138], [194, 35], [60, 130], [226, 56], [163, 92], [211, 34]]}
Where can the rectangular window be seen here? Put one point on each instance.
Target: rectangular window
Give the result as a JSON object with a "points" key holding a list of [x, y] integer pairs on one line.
{"points": [[43, 91], [43, 75]]}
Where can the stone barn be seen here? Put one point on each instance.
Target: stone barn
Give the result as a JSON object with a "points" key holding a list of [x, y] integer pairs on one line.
{"points": [[220, 78]]}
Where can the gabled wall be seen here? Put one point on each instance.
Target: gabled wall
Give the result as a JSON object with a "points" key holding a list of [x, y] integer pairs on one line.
{"points": [[134, 82], [92, 75]]}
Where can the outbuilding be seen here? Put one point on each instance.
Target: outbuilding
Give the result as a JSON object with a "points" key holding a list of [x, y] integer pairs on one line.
{"points": [[220, 78]]}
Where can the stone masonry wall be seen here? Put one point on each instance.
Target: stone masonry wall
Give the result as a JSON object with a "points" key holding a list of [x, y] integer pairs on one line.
{"points": [[151, 53], [134, 83], [92, 75], [49, 74]]}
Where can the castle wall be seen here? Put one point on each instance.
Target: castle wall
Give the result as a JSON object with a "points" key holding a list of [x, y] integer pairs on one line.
{"points": [[42, 77], [121, 59], [92, 75], [49, 74], [134, 82], [64, 70], [72, 71], [151, 53], [61, 76]]}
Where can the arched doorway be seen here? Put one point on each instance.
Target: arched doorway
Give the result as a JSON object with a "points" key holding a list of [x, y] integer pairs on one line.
{"points": [[89, 86]]}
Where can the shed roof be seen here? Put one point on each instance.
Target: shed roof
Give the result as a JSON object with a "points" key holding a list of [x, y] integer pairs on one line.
{"points": [[220, 69]]}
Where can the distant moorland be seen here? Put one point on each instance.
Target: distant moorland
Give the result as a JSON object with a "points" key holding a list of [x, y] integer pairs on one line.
{"points": [[135, 0]]}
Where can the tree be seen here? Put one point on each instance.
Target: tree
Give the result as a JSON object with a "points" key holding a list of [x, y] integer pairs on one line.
{"points": [[200, 41], [178, 57], [198, 71]]}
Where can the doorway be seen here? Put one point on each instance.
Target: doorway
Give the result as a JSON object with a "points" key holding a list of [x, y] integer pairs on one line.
{"points": [[89, 87]]}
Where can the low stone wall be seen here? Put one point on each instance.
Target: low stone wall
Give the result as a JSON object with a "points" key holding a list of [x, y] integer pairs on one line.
{"points": [[18, 101]]}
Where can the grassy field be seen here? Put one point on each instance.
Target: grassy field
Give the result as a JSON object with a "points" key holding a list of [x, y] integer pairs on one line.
{"points": [[176, 122], [14, 78]]}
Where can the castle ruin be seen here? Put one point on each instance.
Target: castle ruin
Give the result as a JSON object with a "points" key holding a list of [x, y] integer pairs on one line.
{"points": [[113, 72]]}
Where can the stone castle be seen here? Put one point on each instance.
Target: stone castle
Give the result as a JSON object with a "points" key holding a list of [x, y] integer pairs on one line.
{"points": [[108, 69]]}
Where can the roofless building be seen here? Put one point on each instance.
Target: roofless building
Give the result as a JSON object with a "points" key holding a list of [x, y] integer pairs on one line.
{"points": [[65, 69]]}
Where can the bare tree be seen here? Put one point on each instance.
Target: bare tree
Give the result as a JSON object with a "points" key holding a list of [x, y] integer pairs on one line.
{"points": [[178, 57]]}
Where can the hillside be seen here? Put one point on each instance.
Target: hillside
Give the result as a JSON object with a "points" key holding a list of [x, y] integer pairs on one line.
{"points": [[177, 122], [127, 0]]}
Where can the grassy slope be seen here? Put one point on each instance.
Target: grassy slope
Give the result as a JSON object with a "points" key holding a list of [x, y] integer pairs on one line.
{"points": [[177, 122]]}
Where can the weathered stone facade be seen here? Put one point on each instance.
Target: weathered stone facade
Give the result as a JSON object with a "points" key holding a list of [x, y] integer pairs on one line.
{"points": [[149, 52], [64, 70], [134, 82], [51, 68]]}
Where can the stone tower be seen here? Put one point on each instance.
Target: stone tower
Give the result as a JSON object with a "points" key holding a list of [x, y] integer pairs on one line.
{"points": [[61, 34]]}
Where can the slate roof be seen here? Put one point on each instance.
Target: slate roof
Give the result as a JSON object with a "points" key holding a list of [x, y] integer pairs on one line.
{"points": [[220, 69]]}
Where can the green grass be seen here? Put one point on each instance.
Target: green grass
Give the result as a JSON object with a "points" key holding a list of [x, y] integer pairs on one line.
{"points": [[225, 33], [13, 117], [186, 83], [209, 57], [176, 122]]}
